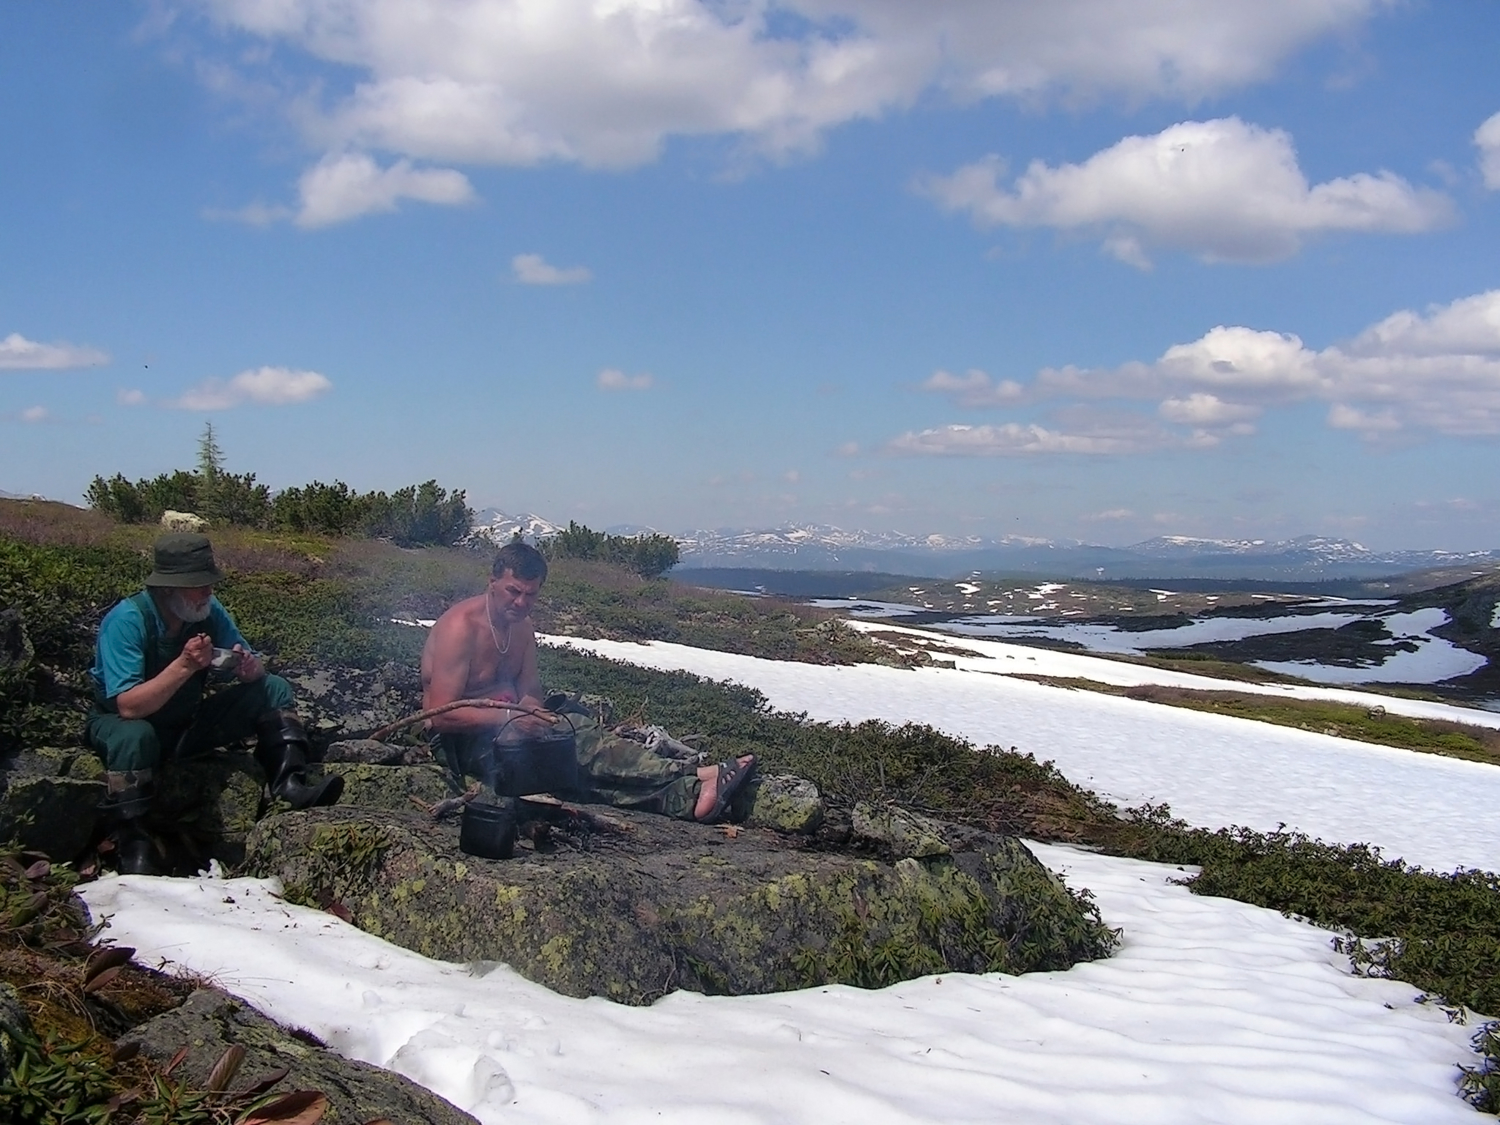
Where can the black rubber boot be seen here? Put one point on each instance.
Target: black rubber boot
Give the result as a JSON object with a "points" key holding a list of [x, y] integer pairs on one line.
{"points": [[281, 750], [125, 807]]}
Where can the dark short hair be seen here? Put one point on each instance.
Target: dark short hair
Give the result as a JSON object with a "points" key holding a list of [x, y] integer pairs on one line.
{"points": [[521, 559]]}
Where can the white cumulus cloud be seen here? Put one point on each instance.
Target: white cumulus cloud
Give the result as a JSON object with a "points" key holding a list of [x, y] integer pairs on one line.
{"points": [[1014, 439], [17, 353], [346, 185], [130, 396], [613, 379], [1224, 190], [1487, 140], [35, 414], [533, 269], [973, 388], [606, 84], [261, 386], [1203, 409], [1411, 374]]}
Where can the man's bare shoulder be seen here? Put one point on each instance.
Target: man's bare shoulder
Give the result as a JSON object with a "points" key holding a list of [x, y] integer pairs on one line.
{"points": [[458, 620]]}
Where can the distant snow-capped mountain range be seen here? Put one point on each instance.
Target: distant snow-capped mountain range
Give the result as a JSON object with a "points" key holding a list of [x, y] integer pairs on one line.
{"points": [[822, 547]]}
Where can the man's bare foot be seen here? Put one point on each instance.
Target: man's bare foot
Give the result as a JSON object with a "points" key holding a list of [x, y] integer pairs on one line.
{"points": [[708, 792]]}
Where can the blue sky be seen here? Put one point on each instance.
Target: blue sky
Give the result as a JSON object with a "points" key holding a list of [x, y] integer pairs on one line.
{"points": [[1080, 270]]}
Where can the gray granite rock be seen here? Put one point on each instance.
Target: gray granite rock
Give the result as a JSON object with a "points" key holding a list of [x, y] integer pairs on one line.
{"points": [[210, 1021]]}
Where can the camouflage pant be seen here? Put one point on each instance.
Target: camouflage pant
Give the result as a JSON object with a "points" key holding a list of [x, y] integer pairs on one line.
{"points": [[615, 771]]}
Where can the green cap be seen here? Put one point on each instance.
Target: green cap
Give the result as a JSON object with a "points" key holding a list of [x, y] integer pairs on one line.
{"points": [[184, 559]]}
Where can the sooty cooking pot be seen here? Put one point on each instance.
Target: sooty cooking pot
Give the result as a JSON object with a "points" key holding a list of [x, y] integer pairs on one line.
{"points": [[488, 831], [543, 764]]}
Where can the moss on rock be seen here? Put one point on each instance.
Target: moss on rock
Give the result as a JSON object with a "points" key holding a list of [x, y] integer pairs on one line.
{"points": [[389, 787]]}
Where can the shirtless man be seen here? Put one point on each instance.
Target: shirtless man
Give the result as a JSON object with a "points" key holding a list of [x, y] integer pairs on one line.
{"points": [[485, 648]]}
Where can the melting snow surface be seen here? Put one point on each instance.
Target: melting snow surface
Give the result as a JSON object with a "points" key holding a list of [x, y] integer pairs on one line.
{"points": [[1212, 1011], [1214, 770], [1111, 638], [1433, 660]]}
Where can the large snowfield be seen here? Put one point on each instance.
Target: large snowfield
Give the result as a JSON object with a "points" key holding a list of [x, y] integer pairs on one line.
{"points": [[1211, 1010]]}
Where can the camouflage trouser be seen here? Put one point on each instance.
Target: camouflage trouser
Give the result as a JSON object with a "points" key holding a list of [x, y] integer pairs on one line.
{"points": [[188, 727], [615, 771]]}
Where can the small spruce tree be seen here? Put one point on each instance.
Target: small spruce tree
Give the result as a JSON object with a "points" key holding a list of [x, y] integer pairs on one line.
{"points": [[210, 456]]}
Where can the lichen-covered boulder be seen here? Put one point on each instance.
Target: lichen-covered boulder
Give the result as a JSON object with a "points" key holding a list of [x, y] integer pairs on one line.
{"points": [[899, 831], [49, 800], [15, 1029], [338, 702], [50, 796], [630, 906], [390, 787], [210, 1021], [782, 802], [215, 799]]}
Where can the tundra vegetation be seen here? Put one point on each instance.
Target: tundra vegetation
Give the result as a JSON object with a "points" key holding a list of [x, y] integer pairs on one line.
{"points": [[307, 595]]}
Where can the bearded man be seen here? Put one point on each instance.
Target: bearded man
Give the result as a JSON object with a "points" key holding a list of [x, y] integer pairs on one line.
{"points": [[173, 678]]}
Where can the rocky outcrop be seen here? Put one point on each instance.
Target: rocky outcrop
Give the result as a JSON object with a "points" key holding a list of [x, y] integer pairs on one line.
{"points": [[49, 803], [210, 1021], [782, 802], [338, 702], [15, 1029], [49, 799], [630, 906]]}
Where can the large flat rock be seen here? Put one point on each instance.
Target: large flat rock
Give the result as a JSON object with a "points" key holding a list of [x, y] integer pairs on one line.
{"points": [[634, 911]]}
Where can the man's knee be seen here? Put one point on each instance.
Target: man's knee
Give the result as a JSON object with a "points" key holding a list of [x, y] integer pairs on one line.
{"points": [[277, 694], [124, 744]]}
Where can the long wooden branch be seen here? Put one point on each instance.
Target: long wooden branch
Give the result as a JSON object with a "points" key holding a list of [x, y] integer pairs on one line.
{"points": [[420, 716]]}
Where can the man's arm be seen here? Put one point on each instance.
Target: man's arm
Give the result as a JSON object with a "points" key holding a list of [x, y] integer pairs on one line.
{"points": [[146, 699], [120, 664]]}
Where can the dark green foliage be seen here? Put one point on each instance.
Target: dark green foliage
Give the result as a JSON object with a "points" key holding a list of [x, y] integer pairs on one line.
{"points": [[59, 594], [1481, 1084], [144, 501], [326, 509], [233, 500], [210, 456], [117, 497], [419, 515], [650, 556], [296, 618], [57, 1083]]}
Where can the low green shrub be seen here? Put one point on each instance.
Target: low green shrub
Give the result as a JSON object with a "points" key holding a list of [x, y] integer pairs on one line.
{"points": [[650, 556]]}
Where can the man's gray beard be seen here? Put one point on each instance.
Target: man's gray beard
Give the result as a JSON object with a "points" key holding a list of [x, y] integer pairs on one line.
{"points": [[185, 610]]}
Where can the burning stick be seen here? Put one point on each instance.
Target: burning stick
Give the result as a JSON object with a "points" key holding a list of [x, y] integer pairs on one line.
{"points": [[449, 805], [599, 822]]}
